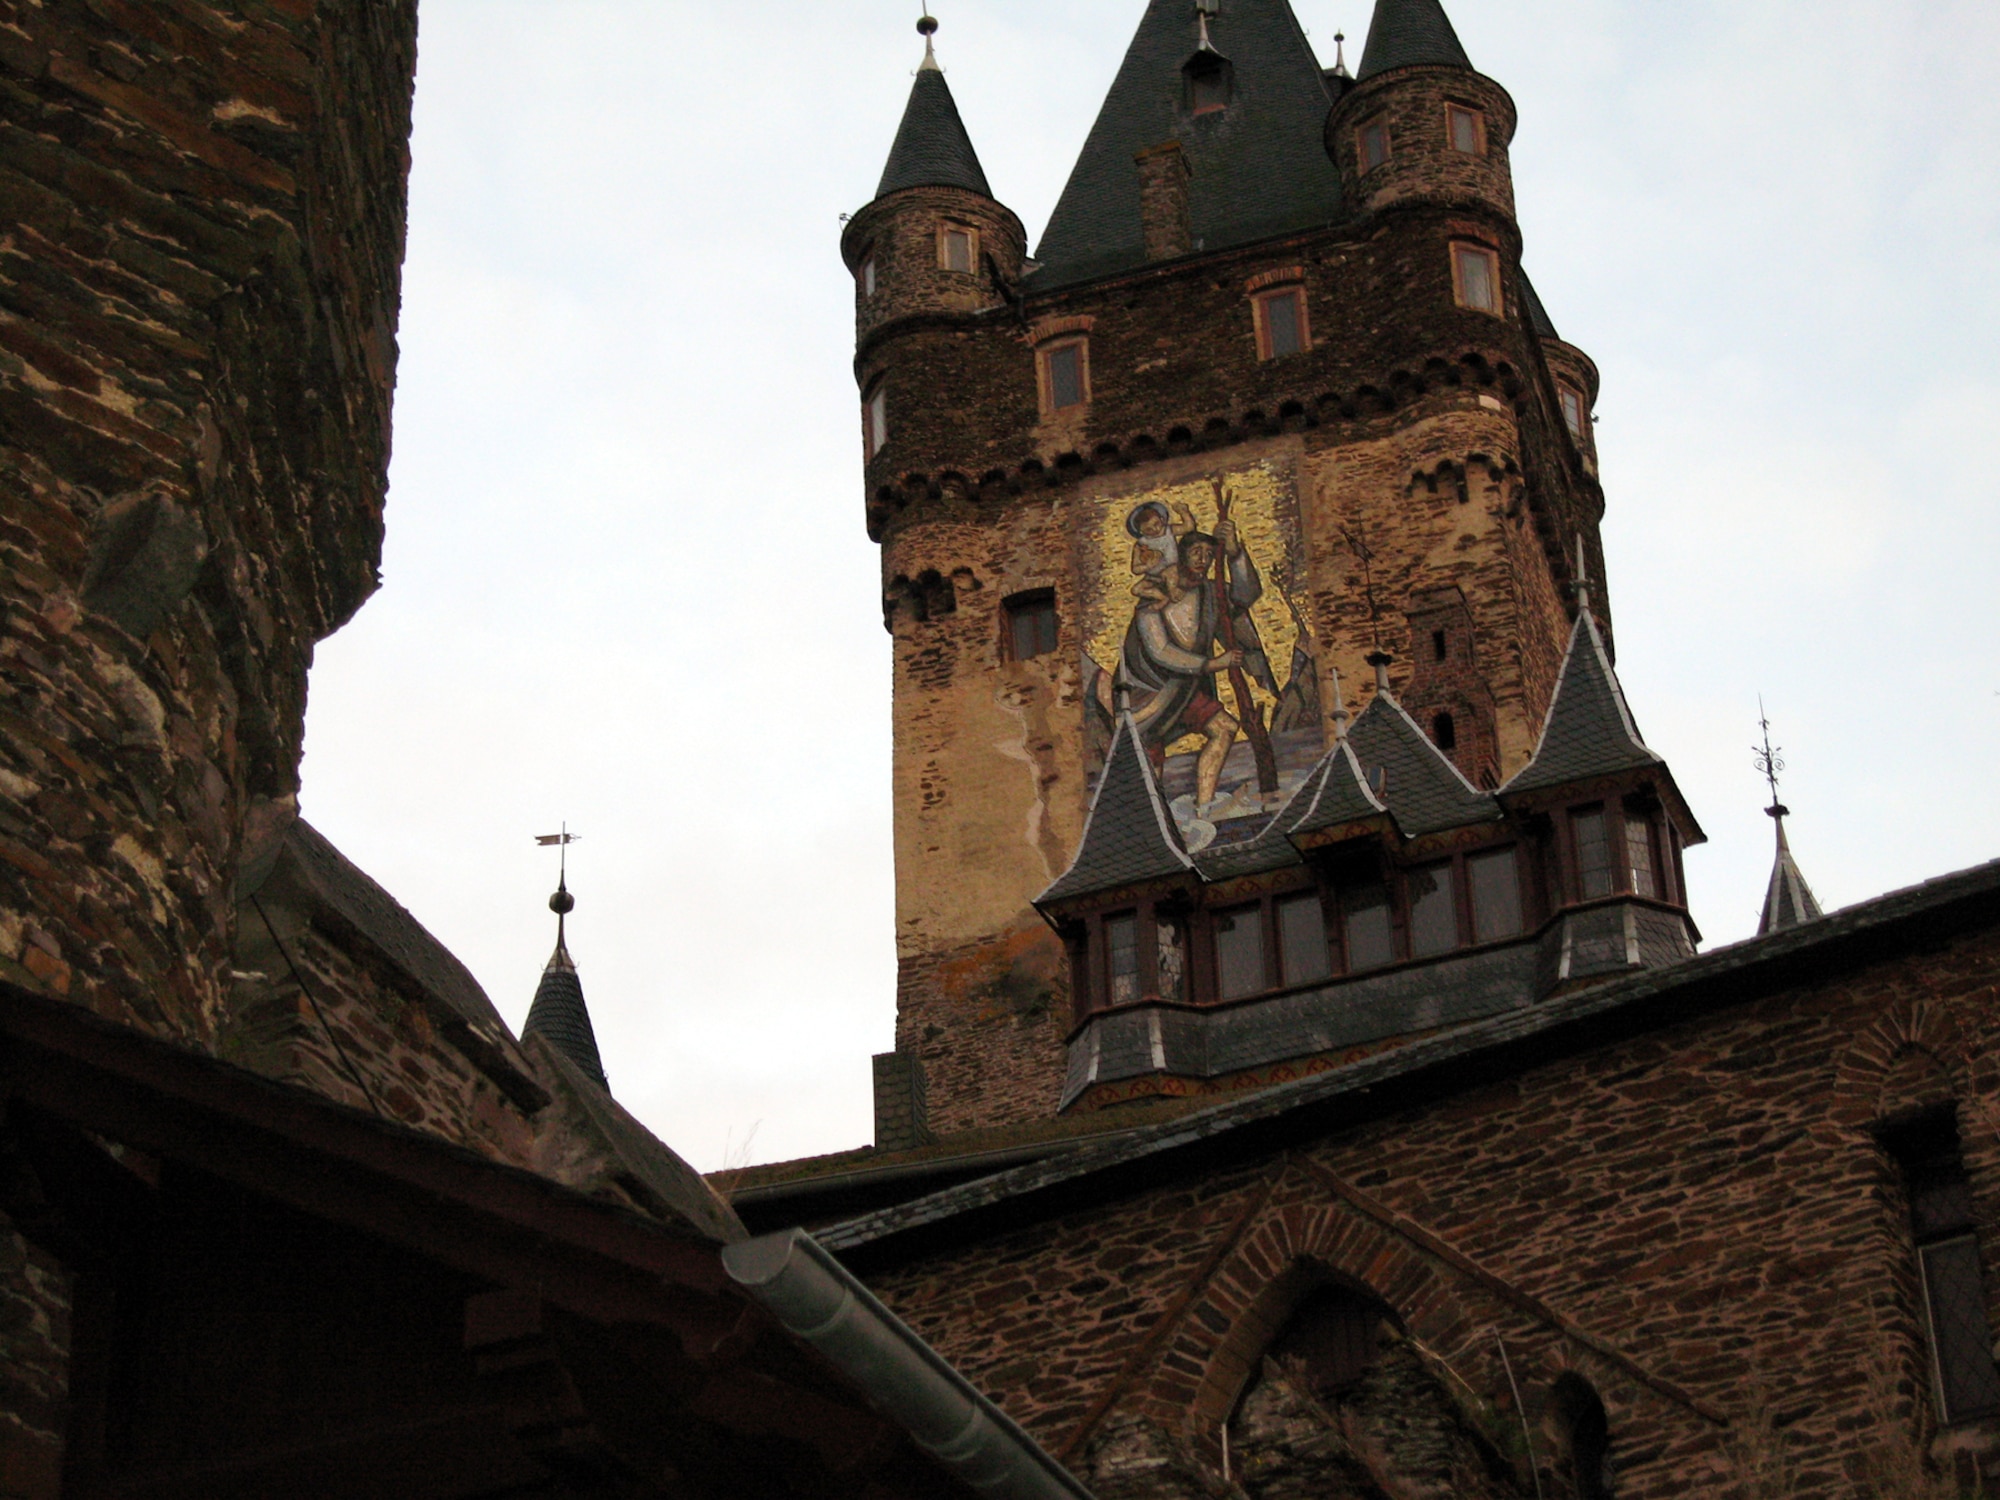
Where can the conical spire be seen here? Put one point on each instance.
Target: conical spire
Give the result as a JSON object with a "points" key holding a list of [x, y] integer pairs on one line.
{"points": [[1129, 835], [932, 148], [1407, 33], [559, 1015], [1788, 900], [1257, 165], [1589, 730]]}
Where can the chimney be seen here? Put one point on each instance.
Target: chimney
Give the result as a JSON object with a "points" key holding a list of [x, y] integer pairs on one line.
{"points": [[1163, 200]]}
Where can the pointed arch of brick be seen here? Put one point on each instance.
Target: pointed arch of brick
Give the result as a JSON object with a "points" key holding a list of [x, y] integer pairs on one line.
{"points": [[1912, 1056], [1293, 1250]]}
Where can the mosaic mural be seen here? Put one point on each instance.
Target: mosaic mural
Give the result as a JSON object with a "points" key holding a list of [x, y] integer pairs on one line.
{"points": [[1188, 607]]}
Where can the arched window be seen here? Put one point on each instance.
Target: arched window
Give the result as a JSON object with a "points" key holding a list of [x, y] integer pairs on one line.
{"points": [[1586, 1435], [1333, 1334]]}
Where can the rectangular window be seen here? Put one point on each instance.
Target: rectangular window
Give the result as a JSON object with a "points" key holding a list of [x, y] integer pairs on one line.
{"points": [[1302, 940], [875, 417], [1170, 951], [1468, 129], [1639, 855], [1031, 624], [1495, 879], [1572, 405], [1433, 910], [1365, 924], [1239, 952], [960, 248], [1121, 952], [1281, 323], [1593, 852], [1062, 368], [1475, 274], [1374, 144], [867, 277], [1942, 1218]]}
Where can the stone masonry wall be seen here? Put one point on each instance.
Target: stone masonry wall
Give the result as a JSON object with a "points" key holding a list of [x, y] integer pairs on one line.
{"points": [[1697, 1222], [201, 231]]}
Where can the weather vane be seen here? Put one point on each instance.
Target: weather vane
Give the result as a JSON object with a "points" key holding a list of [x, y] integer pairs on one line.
{"points": [[1769, 760], [560, 841]]}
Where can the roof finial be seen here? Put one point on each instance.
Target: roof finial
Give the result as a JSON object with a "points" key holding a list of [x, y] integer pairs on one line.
{"points": [[1339, 708], [1770, 765], [1582, 577], [1121, 697], [927, 28], [562, 903], [1379, 660], [1340, 55]]}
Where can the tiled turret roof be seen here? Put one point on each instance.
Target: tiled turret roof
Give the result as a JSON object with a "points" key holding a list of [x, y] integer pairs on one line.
{"points": [[1334, 795], [1589, 730], [1129, 835], [559, 1015], [1259, 166], [932, 148], [1788, 901], [1406, 33], [1424, 791]]}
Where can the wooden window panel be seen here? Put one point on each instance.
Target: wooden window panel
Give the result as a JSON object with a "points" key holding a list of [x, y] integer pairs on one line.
{"points": [[1065, 379], [875, 418], [1642, 879], [1239, 952], [1593, 852], [1433, 893], [1302, 950], [1572, 410], [1032, 626], [1121, 958], [1281, 324], [1475, 275], [1495, 881], [1367, 927], [1373, 145], [1467, 128]]}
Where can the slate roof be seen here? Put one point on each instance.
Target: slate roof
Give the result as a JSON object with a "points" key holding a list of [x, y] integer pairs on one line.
{"points": [[1788, 901], [1424, 791], [932, 148], [1406, 33], [1539, 322], [560, 1017], [1470, 1056], [1334, 794], [1589, 730], [1129, 835], [1259, 167]]}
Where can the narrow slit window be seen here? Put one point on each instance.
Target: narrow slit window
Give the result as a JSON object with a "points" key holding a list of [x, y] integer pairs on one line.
{"points": [[875, 418], [1365, 924], [1495, 879], [1593, 852], [1572, 408], [1031, 624], [867, 278], [1282, 320], [1121, 952], [1475, 274], [1433, 911], [1440, 645], [1171, 951], [1063, 376], [1468, 129], [1639, 855], [1374, 144], [960, 249], [1302, 940], [1239, 952], [1444, 732]]}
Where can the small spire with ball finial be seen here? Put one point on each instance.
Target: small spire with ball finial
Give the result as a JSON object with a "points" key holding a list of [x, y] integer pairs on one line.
{"points": [[1340, 55], [927, 28]]}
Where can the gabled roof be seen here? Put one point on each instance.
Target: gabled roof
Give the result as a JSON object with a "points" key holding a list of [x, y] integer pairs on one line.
{"points": [[1589, 730], [560, 1017], [1129, 835], [1333, 795], [1406, 33], [1424, 791], [1259, 167], [1788, 901], [932, 148]]}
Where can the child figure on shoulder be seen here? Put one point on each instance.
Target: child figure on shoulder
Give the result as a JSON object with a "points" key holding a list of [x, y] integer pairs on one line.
{"points": [[1156, 544]]}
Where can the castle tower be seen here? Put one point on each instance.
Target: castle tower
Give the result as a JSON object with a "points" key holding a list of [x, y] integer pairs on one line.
{"points": [[1273, 397]]}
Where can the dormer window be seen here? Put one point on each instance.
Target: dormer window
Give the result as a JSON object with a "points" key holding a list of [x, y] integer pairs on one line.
{"points": [[1207, 76], [958, 248], [1467, 128], [1372, 144]]}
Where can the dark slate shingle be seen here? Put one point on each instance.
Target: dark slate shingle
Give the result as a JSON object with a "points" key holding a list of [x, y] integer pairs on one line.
{"points": [[1129, 836], [1424, 791], [1259, 167], [1539, 322], [932, 148], [1406, 33], [1589, 730], [1789, 901], [1335, 794], [560, 1016]]}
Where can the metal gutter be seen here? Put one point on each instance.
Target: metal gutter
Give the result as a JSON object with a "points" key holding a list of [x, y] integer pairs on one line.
{"points": [[816, 1298]]}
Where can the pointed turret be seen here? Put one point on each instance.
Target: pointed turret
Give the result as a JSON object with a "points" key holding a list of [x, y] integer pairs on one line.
{"points": [[1242, 95], [1410, 33], [1788, 900], [559, 1015], [932, 147], [1424, 791], [1589, 730], [1129, 836]]}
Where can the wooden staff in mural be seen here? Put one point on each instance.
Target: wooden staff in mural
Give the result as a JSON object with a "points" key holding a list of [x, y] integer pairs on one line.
{"points": [[1249, 713]]}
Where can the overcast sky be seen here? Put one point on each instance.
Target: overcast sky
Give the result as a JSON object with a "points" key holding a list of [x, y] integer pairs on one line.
{"points": [[627, 582]]}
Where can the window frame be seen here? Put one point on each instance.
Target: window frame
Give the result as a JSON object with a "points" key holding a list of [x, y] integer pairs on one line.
{"points": [[946, 229], [1260, 304], [1378, 124], [1017, 607], [1453, 112], [865, 279], [1567, 395], [875, 418], [1463, 248], [1045, 354], [1206, 67]]}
